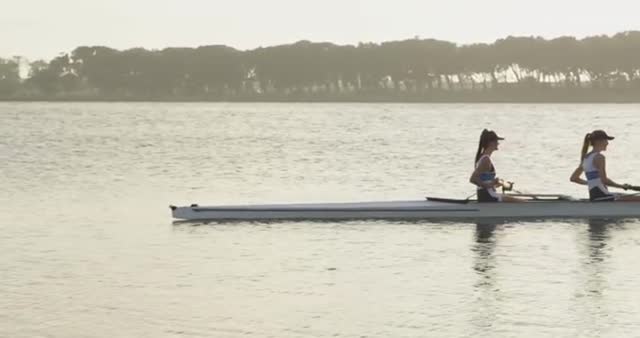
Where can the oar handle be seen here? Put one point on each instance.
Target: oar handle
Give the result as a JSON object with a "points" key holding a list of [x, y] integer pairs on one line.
{"points": [[506, 186]]}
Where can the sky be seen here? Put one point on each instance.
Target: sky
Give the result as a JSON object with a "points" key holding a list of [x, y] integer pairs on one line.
{"points": [[46, 28]]}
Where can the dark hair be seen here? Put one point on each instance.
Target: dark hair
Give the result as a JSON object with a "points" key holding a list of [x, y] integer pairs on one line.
{"points": [[482, 144], [585, 146]]}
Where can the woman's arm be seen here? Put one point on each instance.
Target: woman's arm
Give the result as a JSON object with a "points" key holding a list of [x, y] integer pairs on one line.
{"points": [[575, 177], [600, 163], [483, 166]]}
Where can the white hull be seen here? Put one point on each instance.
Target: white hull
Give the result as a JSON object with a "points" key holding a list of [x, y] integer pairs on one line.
{"points": [[411, 210]]}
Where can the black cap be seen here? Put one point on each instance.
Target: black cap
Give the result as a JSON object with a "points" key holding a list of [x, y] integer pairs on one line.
{"points": [[492, 136], [600, 135]]}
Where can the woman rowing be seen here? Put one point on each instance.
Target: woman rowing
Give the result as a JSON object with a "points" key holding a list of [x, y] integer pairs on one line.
{"points": [[484, 175], [593, 164]]}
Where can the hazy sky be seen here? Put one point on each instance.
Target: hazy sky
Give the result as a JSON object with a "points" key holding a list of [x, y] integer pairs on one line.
{"points": [[44, 28]]}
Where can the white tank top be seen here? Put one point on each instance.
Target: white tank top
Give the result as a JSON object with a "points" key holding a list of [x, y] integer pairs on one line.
{"points": [[489, 176], [592, 173]]}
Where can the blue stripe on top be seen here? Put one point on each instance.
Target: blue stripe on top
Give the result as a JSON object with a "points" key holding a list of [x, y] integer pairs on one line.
{"points": [[592, 175], [489, 176]]}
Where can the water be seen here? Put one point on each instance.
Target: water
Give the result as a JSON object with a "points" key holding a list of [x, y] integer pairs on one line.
{"points": [[88, 249]]}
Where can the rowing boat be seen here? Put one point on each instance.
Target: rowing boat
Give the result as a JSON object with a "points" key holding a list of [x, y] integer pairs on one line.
{"points": [[538, 207]]}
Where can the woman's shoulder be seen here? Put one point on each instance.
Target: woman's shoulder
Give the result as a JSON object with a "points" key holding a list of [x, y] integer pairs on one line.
{"points": [[484, 160], [599, 157]]}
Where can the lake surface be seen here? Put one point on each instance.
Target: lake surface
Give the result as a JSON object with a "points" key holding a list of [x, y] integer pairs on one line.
{"points": [[88, 248]]}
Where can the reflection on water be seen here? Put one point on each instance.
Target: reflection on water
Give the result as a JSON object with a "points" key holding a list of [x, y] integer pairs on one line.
{"points": [[486, 293], [598, 237], [592, 286], [597, 253], [483, 248]]}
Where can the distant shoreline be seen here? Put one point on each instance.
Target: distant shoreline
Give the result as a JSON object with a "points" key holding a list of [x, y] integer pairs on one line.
{"points": [[580, 96], [525, 69]]}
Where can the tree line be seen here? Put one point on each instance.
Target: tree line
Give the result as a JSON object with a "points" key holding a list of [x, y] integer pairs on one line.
{"points": [[604, 68]]}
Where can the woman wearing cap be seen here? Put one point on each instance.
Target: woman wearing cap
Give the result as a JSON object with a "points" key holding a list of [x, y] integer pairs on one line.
{"points": [[484, 175], [593, 164]]}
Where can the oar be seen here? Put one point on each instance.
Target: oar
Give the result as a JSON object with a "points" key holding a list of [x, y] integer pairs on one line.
{"points": [[632, 187]]}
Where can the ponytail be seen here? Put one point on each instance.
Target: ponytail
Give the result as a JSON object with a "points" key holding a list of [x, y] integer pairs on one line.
{"points": [[481, 145], [585, 146]]}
